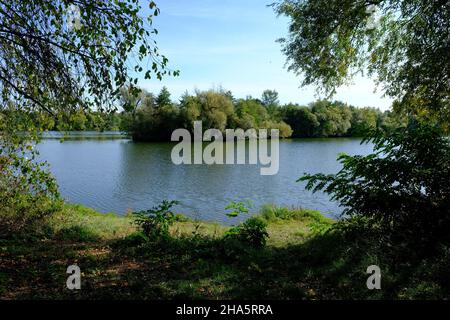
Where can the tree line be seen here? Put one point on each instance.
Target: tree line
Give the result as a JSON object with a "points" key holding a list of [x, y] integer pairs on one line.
{"points": [[150, 117], [153, 117]]}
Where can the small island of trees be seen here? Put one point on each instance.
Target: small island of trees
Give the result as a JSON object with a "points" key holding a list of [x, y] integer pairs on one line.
{"points": [[153, 117]]}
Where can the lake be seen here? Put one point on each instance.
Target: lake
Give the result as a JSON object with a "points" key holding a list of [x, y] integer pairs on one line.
{"points": [[117, 175]]}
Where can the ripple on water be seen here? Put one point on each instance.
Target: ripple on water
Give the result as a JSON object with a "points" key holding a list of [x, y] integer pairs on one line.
{"points": [[117, 176]]}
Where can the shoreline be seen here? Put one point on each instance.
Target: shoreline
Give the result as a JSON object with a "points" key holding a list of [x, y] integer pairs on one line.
{"points": [[305, 258], [272, 214], [124, 135]]}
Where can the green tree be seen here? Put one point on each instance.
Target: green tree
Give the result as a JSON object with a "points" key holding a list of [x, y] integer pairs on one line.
{"points": [[96, 121], [284, 130], [163, 98], [61, 56], [302, 120], [406, 49], [154, 124], [388, 121], [253, 108], [190, 110], [270, 100], [363, 120], [402, 189], [50, 62], [216, 109], [132, 98], [334, 118], [78, 121]]}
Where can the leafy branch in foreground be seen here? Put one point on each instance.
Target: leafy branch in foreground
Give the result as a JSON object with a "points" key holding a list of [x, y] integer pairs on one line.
{"points": [[48, 62], [404, 44], [59, 57], [27, 189], [402, 188]]}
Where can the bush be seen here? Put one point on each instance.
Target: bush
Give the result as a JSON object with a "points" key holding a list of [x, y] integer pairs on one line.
{"points": [[252, 232], [402, 190], [155, 222], [27, 190], [133, 240], [23, 214], [77, 233]]}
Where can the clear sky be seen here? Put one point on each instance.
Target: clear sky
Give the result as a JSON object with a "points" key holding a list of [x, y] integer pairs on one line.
{"points": [[232, 44]]}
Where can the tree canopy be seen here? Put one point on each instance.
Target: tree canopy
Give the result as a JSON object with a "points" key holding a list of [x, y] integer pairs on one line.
{"points": [[270, 98], [402, 189], [60, 59], [150, 119], [404, 44], [64, 54]]}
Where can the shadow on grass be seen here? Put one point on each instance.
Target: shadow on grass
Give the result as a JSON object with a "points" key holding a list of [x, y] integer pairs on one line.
{"points": [[76, 233], [327, 266]]}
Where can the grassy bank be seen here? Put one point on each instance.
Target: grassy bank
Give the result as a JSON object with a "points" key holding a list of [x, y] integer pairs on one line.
{"points": [[302, 260]]}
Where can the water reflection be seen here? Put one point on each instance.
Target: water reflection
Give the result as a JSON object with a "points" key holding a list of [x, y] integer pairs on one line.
{"points": [[119, 175]]}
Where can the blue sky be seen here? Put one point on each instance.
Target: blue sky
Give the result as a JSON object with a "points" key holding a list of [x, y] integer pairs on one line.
{"points": [[232, 44]]}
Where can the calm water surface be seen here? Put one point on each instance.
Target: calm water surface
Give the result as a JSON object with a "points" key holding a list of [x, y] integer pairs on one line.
{"points": [[117, 175]]}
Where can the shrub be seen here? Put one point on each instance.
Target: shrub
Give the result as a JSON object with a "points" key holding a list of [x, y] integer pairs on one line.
{"points": [[133, 240], [155, 222], [251, 232], [27, 190], [254, 232], [402, 189], [77, 233], [237, 208]]}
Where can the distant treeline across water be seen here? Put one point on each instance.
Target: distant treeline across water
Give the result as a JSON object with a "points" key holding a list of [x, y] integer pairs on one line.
{"points": [[150, 117]]}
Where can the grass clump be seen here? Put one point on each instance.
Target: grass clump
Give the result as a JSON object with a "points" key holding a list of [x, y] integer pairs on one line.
{"points": [[305, 222], [273, 213], [86, 223]]}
